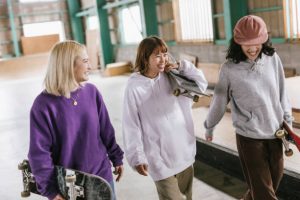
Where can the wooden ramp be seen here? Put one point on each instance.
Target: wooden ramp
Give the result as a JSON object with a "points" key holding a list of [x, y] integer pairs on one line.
{"points": [[119, 68], [28, 66]]}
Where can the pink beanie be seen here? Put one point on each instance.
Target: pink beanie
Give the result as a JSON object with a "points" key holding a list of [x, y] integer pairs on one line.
{"points": [[250, 30]]}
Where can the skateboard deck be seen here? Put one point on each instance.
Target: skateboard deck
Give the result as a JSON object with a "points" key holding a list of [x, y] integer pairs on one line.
{"points": [[287, 135], [73, 184], [182, 85]]}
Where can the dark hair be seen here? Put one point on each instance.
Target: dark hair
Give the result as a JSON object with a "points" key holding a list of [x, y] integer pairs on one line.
{"points": [[236, 54], [145, 49]]}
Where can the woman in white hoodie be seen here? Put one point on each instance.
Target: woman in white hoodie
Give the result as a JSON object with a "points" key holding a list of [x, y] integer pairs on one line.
{"points": [[158, 128]]}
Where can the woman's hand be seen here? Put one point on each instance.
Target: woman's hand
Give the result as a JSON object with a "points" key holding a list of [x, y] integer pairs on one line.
{"points": [[142, 169], [118, 171], [170, 66], [209, 137]]}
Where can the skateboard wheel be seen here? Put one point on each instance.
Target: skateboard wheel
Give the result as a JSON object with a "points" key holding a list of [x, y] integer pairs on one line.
{"points": [[176, 92], [70, 178], [25, 194], [280, 134], [288, 153], [23, 165], [196, 98]]}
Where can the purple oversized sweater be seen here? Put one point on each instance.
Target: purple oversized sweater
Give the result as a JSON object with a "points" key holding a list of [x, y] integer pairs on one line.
{"points": [[78, 137]]}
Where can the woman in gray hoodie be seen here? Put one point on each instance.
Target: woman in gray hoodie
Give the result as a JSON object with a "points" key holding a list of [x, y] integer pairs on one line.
{"points": [[252, 80]]}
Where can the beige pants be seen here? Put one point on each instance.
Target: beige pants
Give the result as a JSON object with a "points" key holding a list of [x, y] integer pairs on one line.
{"points": [[177, 187]]}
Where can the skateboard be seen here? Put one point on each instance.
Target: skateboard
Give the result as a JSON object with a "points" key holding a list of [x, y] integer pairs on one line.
{"points": [[73, 184], [287, 135], [182, 85]]}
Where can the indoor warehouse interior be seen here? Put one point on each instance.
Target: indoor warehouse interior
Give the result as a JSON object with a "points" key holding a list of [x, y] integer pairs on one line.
{"points": [[199, 31]]}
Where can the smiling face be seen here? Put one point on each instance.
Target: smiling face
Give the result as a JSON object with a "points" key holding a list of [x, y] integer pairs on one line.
{"points": [[156, 63], [82, 67], [252, 51]]}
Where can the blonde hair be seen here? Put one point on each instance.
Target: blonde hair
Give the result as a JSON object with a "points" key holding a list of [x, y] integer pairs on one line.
{"points": [[60, 79]]}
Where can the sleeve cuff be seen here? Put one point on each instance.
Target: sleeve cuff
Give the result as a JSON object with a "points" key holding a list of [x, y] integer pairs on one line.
{"points": [[118, 163], [137, 160], [289, 120], [208, 131]]}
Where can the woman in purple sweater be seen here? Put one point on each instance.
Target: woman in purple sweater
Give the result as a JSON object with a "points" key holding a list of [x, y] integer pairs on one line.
{"points": [[69, 123]]}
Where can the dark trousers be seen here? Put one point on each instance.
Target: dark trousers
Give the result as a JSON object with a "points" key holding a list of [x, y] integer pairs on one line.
{"points": [[262, 164]]}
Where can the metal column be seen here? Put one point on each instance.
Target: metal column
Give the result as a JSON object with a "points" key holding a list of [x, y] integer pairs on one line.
{"points": [[13, 28]]}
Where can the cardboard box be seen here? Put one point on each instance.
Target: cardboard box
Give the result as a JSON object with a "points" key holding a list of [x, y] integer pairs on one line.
{"points": [[38, 44], [119, 68]]}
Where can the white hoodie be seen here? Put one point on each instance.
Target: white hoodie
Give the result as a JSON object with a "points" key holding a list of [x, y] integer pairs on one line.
{"points": [[158, 129]]}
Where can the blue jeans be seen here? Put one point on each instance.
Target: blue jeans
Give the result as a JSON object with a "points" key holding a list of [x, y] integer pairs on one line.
{"points": [[112, 185]]}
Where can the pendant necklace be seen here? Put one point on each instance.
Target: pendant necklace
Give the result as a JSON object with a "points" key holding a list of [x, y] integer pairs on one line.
{"points": [[76, 96], [74, 100]]}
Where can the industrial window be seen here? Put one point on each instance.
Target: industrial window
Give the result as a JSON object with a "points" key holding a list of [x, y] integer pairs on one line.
{"points": [[272, 13], [292, 19], [34, 1], [282, 18], [131, 24], [166, 22], [92, 23], [194, 20], [44, 28]]}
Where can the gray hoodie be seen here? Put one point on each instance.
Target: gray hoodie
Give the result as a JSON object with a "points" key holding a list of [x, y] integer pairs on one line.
{"points": [[257, 95]]}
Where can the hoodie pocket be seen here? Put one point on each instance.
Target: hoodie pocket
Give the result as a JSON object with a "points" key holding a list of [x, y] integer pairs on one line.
{"points": [[263, 119]]}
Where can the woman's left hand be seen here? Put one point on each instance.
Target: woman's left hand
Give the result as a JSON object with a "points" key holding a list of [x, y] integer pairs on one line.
{"points": [[118, 171]]}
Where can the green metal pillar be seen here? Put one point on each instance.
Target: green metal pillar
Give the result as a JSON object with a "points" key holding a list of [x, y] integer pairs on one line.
{"points": [[238, 9], [13, 28], [233, 11], [227, 20], [149, 16], [105, 41], [76, 23]]}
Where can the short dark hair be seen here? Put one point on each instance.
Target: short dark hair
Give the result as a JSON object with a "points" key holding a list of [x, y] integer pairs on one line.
{"points": [[236, 54], [145, 49]]}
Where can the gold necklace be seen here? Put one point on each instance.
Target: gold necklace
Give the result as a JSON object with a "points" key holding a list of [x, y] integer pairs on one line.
{"points": [[76, 96], [74, 100]]}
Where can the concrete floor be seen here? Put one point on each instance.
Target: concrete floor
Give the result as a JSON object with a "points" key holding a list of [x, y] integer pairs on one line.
{"points": [[16, 97]]}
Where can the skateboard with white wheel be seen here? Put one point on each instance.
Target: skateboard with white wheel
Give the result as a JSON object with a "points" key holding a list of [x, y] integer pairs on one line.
{"points": [[72, 184], [287, 135]]}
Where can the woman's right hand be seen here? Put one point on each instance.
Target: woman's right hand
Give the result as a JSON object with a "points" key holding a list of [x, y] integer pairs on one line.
{"points": [[208, 133], [142, 169], [209, 138], [58, 197]]}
